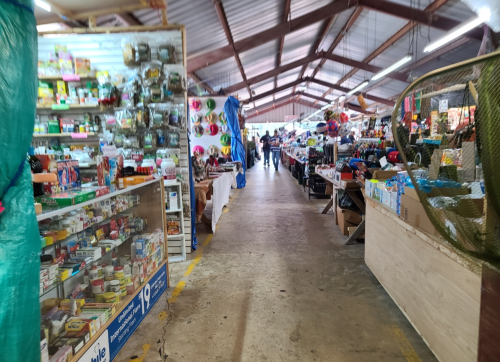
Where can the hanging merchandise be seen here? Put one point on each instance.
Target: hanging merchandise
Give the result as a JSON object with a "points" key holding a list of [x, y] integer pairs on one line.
{"points": [[150, 140], [211, 118], [224, 128], [344, 117], [196, 119], [210, 105], [107, 92], [126, 122], [198, 130], [175, 116], [345, 128], [333, 128], [142, 118], [211, 130], [328, 115], [142, 51], [225, 139], [212, 150], [226, 151], [161, 138], [175, 80], [173, 139], [157, 115], [222, 118], [168, 171], [129, 51], [321, 128], [166, 54], [198, 149], [195, 104]]}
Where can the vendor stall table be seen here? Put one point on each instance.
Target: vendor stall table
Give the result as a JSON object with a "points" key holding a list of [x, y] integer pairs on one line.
{"points": [[333, 200], [217, 190], [435, 285]]}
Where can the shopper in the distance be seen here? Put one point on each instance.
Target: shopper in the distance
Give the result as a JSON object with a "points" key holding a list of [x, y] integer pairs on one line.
{"points": [[266, 147], [275, 148], [352, 137]]}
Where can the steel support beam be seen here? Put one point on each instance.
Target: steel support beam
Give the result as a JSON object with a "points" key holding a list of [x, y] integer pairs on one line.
{"points": [[420, 16], [287, 6], [321, 99], [225, 25], [201, 83], [203, 60], [393, 39]]}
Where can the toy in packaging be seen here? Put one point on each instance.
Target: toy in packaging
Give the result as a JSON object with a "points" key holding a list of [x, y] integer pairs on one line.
{"points": [[82, 66]]}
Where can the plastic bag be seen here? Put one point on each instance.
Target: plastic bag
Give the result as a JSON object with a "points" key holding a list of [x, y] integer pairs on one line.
{"points": [[126, 122], [173, 139], [158, 114], [166, 54]]}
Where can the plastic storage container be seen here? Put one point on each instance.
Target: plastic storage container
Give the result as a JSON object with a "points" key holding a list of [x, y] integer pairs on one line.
{"points": [[168, 171]]}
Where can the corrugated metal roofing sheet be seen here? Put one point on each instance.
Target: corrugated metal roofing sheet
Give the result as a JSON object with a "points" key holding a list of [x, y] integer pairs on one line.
{"points": [[260, 59], [200, 19], [370, 30], [247, 18]]}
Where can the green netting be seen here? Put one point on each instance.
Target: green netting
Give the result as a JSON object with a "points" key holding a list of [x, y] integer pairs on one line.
{"points": [[19, 239], [452, 157]]}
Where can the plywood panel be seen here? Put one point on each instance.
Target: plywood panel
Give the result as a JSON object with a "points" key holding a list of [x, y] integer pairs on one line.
{"points": [[438, 294]]}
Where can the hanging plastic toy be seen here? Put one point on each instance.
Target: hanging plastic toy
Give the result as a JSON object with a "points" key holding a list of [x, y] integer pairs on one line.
{"points": [[226, 151], [195, 104], [224, 128], [333, 128], [212, 150], [210, 105], [345, 128], [211, 118], [344, 118], [327, 115]]}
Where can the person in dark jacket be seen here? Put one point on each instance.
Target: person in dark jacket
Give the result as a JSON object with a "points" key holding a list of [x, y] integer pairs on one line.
{"points": [[266, 147]]}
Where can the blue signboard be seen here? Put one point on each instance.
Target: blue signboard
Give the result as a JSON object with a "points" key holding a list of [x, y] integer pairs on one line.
{"points": [[120, 330]]}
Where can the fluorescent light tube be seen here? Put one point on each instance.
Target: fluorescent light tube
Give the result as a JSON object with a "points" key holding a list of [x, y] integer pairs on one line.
{"points": [[325, 107], [317, 112], [341, 98], [358, 88], [484, 15], [42, 4], [392, 67]]}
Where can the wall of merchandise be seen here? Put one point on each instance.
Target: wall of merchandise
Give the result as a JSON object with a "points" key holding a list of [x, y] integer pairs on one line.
{"points": [[207, 116]]}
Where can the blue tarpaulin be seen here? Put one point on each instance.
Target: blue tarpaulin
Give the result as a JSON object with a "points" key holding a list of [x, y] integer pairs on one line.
{"points": [[237, 149]]}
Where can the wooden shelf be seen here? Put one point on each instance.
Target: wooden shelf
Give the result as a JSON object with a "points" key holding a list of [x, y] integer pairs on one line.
{"points": [[60, 77], [51, 135], [71, 106]]}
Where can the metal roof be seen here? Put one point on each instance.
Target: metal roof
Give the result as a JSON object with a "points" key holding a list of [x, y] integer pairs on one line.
{"points": [[260, 54]]}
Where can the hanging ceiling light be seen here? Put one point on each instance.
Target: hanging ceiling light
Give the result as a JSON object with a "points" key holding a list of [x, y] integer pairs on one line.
{"points": [[325, 107], [42, 4], [484, 16], [358, 88], [393, 67]]}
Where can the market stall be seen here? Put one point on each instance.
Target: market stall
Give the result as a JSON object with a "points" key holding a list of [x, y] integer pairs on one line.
{"points": [[110, 166]]}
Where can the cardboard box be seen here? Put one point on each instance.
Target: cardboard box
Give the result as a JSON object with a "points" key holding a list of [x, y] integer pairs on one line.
{"points": [[345, 228], [413, 212], [386, 198], [63, 355], [66, 198], [345, 217], [338, 176], [435, 192], [384, 175], [352, 229]]}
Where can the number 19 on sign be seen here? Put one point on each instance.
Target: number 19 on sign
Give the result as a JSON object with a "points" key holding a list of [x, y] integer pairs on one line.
{"points": [[144, 297]]}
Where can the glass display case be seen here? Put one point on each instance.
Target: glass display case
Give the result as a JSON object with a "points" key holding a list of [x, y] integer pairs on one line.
{"points": [[98, 258]]}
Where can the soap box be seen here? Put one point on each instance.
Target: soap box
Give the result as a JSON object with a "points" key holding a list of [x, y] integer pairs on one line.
{"points": [[64, 354]]}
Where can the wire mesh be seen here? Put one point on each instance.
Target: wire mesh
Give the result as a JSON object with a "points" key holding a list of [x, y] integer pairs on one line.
{"points": [[447, 131]]}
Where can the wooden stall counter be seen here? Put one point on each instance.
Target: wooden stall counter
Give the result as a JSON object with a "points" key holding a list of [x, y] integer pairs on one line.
{"points": [[436, 286]]}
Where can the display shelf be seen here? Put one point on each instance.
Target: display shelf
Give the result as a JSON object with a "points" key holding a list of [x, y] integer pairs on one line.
{"points": [[121, 306], [60, 77], [52, 213], [173, 211], [70, 106], [50, 135], [87, 164], [72, 236], [368, 139], [175, 237], [54, 286]]}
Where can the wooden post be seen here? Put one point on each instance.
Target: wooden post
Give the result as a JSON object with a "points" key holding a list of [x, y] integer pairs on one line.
{"points": [[92, 22], [164, 20]]}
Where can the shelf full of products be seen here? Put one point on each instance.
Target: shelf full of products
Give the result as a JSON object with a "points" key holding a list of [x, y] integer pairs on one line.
{"points": [[97, 258], [119, 111]]}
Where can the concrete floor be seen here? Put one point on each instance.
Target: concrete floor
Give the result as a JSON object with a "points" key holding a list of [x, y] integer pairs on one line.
{"points": [[275, 283]]}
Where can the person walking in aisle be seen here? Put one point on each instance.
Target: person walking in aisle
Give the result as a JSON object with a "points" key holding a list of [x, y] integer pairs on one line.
{"points": [[266, 147], [275, 148]]}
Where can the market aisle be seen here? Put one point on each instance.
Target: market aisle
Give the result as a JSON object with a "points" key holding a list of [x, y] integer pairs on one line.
{"points": [[275, 284]]}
